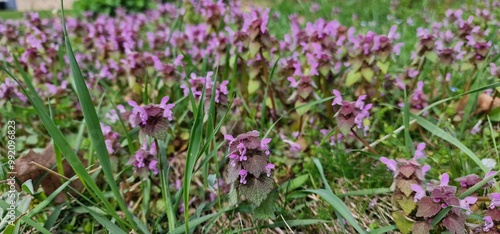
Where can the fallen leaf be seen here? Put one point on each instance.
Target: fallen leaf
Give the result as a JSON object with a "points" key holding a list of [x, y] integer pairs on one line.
{"points": [[26, 170]]}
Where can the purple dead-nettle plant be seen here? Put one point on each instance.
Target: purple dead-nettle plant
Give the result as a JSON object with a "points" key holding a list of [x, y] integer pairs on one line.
{"points": [[112, 116], [334, 139], [111, 139], [419, 151], [197, 83], [304, 91], [495, 70], [418, 99], [293, 145], [153, 118], [9, 91], [352, 113], [466, 182], [249, 172], [493, 210], [145, 160]]}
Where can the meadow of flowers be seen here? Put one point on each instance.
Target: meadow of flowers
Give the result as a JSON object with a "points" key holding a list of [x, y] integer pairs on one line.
{"points": [[229, 117]]}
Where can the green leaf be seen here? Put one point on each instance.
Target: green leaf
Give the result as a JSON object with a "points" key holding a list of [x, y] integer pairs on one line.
{"points": [[495, 115], [407, 204], [266, 209], [256, 190], [404, 225], [253, 85], [352, 78], [384, 67], [295, 183], [28, 187], [367, 73], [301, 111]]}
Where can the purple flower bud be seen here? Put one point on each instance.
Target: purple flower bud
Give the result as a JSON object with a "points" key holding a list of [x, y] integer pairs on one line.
{"points": [[419, 192], [390, 163]]}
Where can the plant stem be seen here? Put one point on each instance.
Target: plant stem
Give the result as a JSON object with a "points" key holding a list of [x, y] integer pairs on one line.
{"points": [[364, 142]]}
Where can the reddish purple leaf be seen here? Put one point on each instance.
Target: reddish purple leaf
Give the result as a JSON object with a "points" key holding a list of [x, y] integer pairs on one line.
{"points": [[494, 213], [455, 223], [427, 207], [407, 170]]}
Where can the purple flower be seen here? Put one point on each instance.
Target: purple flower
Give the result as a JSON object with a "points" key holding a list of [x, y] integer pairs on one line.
{"points": [[315, 7], [197, 84], [469, 180], [145, 160], [243, 174], [495, 200], [419, 152], [269, 167], [419, 192], [352, 113], [390, 163], [488, 223], [338, 98], [152, 118], [466, 203], [9, 91], [477, 128]]}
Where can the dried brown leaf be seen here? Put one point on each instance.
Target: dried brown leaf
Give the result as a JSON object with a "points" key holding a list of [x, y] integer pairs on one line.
{"points": [[26, 170]]}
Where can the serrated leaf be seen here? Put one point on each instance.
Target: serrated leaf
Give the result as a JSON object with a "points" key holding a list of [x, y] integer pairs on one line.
{"points": [[266, 209], [405, 186], [427, 207], [407, 171], [257, 189], [407, 204], [345, 124], [233, 196], [256, 164], [494, 214], [455, 224], [367, 73], [352, 78], [404, 225]]}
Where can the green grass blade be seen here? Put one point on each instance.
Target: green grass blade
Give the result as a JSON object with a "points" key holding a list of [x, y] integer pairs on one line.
{"points": [[333, 200], [49, 199], [94, 127], [289, 223], [477, 186], [63, 145], [4, 205], [384, 229], [195, 142], [406, 123], [339, 206], [449, 138]]}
